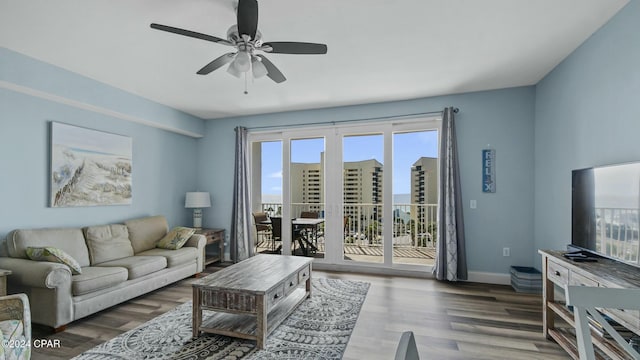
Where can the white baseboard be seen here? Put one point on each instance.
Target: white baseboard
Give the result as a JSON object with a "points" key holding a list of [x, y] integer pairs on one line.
{"points": [[489, 278], [473, 276]]}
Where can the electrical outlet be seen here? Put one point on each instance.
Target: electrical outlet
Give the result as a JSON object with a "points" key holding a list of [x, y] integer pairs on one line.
{"points": [[506, 252], [473, 204]]}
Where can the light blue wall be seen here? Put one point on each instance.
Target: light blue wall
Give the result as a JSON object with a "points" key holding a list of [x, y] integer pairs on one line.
{"points": [[164, 163], [18, 69], [502, 118], [587, 113]]}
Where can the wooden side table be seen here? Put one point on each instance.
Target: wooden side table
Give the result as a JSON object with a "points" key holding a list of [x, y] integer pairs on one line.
{"points": [[213, 236], [3, 281]]}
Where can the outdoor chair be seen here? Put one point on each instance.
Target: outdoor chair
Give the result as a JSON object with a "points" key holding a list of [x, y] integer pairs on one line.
{"points": [[263, 229], [276, 231]]}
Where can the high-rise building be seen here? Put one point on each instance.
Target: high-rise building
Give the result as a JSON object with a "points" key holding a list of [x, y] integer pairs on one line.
{"points": [[362, 190], [362, 184], [424, 189], [307, 182]]}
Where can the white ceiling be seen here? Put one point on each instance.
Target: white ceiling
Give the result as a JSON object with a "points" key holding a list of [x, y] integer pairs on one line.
{"points": [[378, 50]]}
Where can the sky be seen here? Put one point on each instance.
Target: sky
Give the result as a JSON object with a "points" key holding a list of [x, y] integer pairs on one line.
{"points": [[90, 140], [407, 148], [617, 186]]}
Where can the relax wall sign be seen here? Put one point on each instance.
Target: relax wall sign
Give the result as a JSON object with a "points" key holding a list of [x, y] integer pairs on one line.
{"points": [[489, 170]]}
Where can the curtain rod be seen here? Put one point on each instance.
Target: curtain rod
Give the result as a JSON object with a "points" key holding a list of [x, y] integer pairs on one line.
{"points": [[394, 117]]}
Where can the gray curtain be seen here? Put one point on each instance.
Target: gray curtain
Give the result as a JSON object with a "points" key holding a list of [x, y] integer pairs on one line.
{"points": [[241, 244], [451, 259]]}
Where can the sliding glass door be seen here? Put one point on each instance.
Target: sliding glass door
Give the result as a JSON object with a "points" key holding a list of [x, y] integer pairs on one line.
{"points": [[362, 190], [350, 195], [307, 196], [415, 196]]}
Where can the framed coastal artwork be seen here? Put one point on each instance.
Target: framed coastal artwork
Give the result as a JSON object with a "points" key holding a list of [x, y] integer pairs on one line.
{"points": [[89, 167]]}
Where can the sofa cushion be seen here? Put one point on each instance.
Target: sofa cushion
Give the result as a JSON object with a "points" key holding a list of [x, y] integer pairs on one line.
{"points": [[55, 255], [69, 240], [139, 266], [174, 257], [176, 238], [107, 242], [95, 278], [145, 233]]}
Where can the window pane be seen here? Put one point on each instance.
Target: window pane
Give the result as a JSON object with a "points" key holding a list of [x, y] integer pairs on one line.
{"points": [[307, 196], [415, 197], [362, 197]]}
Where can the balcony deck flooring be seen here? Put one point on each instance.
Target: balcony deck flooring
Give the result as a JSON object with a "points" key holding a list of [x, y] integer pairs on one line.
{"points": [[401, 254]]}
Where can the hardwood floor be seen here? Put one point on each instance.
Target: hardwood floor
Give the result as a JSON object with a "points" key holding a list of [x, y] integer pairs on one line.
{"points": [[450, 321]]}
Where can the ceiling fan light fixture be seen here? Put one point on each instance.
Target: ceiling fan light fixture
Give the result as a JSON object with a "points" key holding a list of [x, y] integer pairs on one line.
{"points": [[233, 70], [242, 63], [259, 70]]}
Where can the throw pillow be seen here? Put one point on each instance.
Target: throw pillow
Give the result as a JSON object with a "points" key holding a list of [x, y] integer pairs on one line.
{"points": [[176, 238], [52, 254], [107, 242]]}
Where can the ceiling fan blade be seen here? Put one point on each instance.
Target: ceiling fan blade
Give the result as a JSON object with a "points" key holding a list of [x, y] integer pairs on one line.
{"points": [[273, 72], [248, 17], [291, 47], [217, 63], [190, 33]]}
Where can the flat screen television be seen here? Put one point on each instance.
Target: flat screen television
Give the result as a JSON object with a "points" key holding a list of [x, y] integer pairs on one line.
{"points": [[605, 211]]}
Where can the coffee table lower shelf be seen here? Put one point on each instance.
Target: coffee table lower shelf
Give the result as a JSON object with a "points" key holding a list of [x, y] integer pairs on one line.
{"points": [[244, 325]]}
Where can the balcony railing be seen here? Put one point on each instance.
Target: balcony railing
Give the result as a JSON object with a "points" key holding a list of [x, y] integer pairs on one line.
{"points": [[414, 225], [618, 233]]}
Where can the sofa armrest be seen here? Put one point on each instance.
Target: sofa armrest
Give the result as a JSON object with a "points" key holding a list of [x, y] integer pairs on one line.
{"points": [[196, 241], [40, 274]]}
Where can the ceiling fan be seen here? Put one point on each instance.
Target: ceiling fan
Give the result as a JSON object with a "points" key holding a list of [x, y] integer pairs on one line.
{"points": [[246, 38]]}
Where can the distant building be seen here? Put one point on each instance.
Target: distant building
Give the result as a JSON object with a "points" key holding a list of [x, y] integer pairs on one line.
{"points": [[424, 189], [307, 185], [362, 182], [362, 185]]}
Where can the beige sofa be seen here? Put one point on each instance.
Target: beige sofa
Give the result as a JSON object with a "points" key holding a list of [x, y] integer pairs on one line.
{"points": [[118, 261]]}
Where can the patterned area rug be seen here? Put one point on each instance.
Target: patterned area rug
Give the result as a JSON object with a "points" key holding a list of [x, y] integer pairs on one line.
{"points": [[319, 328]]}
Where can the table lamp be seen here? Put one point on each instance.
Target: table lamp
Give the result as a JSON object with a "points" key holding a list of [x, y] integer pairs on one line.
{"points": [[197, 201]]}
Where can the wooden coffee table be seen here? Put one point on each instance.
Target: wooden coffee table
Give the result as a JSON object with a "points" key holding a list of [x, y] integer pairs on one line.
{"points": [[251, 298]]}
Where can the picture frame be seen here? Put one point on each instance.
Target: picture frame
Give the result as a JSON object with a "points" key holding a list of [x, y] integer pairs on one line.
{"points": [[89, 167]]}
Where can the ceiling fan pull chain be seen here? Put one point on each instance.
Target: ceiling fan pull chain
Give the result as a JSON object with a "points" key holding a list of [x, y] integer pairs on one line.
{"points": [[245, 84]]}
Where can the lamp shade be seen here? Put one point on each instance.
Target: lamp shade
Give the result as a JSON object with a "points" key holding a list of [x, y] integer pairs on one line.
{"points": [[259, 70], [197, 200]]}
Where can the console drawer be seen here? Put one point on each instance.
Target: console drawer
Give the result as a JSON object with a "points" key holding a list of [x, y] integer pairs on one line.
{"points": [[557, 273], [581, 280]]}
